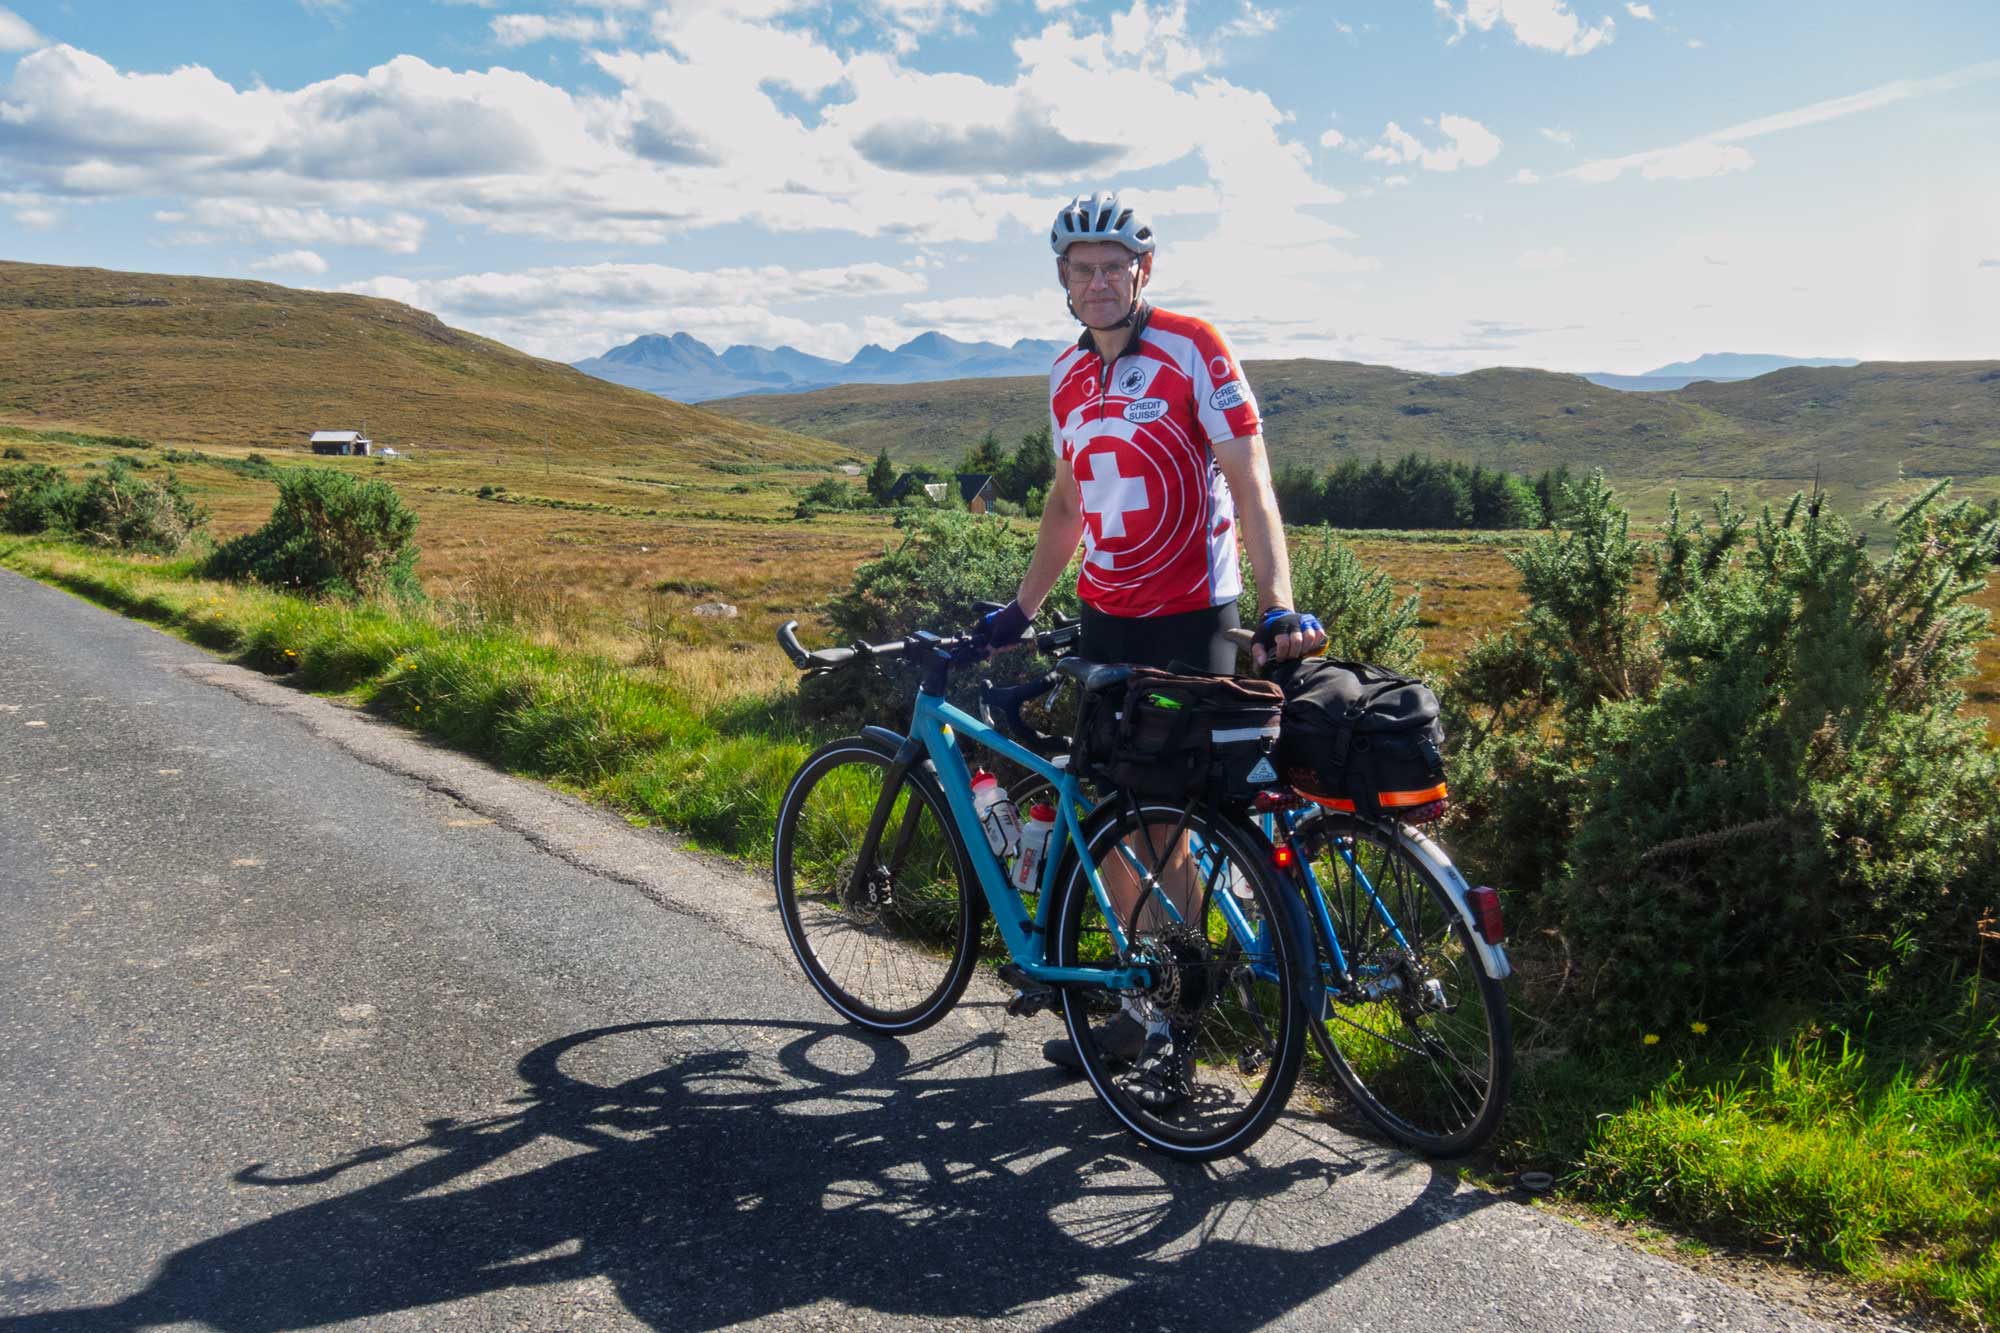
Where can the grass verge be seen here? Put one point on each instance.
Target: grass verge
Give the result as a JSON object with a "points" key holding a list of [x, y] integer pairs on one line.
{"points": [[1864, 1141]]}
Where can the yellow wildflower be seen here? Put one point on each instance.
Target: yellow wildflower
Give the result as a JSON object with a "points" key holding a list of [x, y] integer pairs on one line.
{"points": [[1652, 1039], [1699, 1028]]}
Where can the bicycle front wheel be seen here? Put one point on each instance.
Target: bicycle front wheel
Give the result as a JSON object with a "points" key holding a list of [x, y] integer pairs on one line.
{"points": [[887, 932], [1414, 1028], [1200, 1062]]}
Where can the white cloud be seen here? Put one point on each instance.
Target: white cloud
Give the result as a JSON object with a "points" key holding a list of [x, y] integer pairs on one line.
{"points": [[1546, 25], [1523, 177], [637, 286], [17, 34], [1332, 139], [1566, 138], [397, 233], [1395, 182], [1694, 43], [35, 218], [523, 29], [1544, 260], [1712, 155], [1644, 12], [291, 261], [1469, 144]]}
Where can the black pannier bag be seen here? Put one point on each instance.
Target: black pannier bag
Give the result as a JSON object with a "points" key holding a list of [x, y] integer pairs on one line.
{"points": [[1362, 738], [1173, 735]]}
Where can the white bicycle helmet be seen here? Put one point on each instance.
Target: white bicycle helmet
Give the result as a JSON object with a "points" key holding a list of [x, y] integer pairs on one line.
{"points": [[1101, 217]]}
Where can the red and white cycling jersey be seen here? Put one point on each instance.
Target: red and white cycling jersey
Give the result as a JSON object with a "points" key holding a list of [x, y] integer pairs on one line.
{"points": [[1159, 524]]}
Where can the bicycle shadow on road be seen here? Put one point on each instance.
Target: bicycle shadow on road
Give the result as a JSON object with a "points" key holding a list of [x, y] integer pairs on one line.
{"points": [[719, 1171]]}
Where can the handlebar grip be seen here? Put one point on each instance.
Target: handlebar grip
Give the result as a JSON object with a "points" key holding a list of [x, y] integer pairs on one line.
{"points": [[788, 639]]}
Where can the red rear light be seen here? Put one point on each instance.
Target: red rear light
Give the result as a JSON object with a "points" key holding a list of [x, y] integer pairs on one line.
{"points": [[1281, 856], [1485, 904]]}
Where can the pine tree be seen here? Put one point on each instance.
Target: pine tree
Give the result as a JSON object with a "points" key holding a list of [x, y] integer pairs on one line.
{"points": [[881, 477]]}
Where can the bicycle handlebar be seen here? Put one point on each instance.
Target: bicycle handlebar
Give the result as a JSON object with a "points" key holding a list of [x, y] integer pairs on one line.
{"points": [[1048, 642]]}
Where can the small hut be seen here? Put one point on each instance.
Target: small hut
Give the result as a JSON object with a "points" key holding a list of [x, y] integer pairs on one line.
{"points": [[341, 442]]}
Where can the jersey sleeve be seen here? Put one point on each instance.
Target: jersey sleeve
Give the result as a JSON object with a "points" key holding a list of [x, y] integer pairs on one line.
{"points": [[1223, 405]]}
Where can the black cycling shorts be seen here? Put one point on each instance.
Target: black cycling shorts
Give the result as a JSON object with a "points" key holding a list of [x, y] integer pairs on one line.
{"points": [[1191, 639]]}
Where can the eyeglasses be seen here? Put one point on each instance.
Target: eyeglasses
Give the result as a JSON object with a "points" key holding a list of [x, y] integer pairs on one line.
{"points": [[1082, 275]]}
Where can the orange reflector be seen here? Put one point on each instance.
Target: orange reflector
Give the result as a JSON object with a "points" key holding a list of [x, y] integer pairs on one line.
{"points": [[1396, 800]]}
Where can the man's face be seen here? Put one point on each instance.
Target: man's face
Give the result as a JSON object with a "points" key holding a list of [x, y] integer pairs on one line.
{"points": [[1100, 277]]}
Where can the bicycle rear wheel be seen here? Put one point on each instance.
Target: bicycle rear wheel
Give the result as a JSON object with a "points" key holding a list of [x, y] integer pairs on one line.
{"points": [[1416, 1030], [1200, 1063], [887, 933]]}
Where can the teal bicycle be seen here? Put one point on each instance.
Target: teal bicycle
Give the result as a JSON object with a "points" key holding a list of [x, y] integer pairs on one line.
{"points": [[1165, 920]]}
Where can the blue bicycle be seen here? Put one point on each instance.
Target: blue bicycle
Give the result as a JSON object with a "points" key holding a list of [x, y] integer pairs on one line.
{"points": [[1178, 954]]}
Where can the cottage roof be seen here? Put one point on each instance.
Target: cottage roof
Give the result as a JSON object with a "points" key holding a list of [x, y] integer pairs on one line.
{"points": [[971, 484], [336, 436]]}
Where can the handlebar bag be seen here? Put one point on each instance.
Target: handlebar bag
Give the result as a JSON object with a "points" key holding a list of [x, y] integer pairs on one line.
{"points": [[1175, 735], [1361, 737]]}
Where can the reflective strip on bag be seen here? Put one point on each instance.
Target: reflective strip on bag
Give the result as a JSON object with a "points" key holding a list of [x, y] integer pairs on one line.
{"points": [[1243, 735]]}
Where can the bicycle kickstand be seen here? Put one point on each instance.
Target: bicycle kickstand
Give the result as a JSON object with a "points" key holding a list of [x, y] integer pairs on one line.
{"points": [[1030, 996]]}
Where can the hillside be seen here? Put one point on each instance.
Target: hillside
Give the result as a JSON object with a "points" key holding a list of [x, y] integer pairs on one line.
{"points": [[1859, 425], [219, 361]]}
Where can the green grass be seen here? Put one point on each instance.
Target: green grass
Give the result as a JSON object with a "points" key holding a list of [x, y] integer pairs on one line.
{"points": [[1862, 1139]]}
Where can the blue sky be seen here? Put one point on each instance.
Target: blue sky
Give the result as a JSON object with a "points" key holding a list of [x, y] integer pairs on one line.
{"points": [[1439, 184]]}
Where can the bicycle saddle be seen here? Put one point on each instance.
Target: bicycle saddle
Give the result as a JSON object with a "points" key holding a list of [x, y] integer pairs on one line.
{"points": [[1094, 676]]}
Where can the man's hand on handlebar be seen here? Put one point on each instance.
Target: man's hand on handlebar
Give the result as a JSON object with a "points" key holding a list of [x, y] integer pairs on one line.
{"points": [[1002, 629], [1284, 635]]}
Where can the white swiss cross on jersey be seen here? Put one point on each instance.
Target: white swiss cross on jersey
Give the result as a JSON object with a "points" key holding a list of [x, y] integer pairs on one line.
{"points": [[1159, 525]]}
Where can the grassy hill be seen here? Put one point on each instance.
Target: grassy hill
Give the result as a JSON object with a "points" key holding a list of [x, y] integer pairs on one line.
{"points": [[203, 361], [1859, 425]]}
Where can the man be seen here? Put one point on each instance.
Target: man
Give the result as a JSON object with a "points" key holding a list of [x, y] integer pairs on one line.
{"points": [[1159, 461], [1160, 471]]}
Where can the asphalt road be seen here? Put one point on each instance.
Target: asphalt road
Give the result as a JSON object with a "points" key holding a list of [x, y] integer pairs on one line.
{"points": [[308, 1022]]}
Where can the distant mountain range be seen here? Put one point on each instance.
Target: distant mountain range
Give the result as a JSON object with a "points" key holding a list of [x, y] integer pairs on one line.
{"points": [[1718, 367], [688, 370], [684, 368]]}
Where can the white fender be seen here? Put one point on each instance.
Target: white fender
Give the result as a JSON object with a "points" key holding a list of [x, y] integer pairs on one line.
{"points": [[1492, 957]]}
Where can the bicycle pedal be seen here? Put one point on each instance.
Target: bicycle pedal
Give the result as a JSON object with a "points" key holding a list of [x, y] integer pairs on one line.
{"points": [[1030, 996]]}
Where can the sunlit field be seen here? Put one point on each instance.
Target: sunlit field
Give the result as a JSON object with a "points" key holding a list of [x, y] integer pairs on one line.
{"points": [[614, 559]]}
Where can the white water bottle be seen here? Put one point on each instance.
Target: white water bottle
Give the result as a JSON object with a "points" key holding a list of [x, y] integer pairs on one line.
{"points": [[996, 814], [1034, 846]]}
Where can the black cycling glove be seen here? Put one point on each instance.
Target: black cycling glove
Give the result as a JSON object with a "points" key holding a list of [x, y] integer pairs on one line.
{"points": [[1002, 628], [1282, 620]]}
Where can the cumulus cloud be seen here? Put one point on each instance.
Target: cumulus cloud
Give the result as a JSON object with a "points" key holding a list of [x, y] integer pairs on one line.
{"points": [[1332, 139], [1643, 12], [1546, 25], [16, 33], [1468, 144], [291, 261], [1564, 137]]}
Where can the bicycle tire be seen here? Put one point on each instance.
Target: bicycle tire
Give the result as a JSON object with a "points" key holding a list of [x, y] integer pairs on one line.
{"points": [[1234, 1015], [1422, 1064], [894, 954]]}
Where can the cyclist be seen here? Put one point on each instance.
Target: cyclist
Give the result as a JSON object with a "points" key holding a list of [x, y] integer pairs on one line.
{"points": [[1159, 463]]}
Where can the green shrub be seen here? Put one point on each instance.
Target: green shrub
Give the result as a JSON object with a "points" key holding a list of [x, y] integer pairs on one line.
{"points": [[330, 533], [116, 508], [112, 507], [1763, 793], [38, 498], [829, 493], [13, 451], [946, 561]]}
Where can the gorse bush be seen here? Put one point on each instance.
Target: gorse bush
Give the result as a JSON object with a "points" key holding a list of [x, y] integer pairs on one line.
{"points": [[113, 507], [329, 534], [1759, 790], [945, 561]]}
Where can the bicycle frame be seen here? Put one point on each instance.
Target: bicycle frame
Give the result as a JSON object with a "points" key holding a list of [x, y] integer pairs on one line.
{"points": [[936, 726]]}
